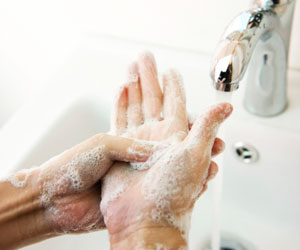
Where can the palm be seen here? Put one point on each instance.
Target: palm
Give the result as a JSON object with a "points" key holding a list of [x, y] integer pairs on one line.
{"points": [[148, 124], [153, 193]]}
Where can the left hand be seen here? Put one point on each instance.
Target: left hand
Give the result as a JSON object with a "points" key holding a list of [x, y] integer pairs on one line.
{"points": [[62, 195]]}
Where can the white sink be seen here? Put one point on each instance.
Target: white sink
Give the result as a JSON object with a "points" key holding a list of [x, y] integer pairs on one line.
{"points": [[261, 202]]}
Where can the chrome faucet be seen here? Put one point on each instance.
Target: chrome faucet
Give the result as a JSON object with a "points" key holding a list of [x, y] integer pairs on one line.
{"points": [[257, 39]]}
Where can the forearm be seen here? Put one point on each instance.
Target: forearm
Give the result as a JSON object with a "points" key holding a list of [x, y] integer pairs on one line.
{"points": [[22, 217]]}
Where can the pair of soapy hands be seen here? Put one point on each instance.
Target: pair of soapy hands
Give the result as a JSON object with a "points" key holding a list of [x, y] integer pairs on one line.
{"points": [[173, 159]]}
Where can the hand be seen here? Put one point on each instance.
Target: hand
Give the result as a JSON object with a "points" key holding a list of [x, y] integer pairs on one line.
{"points": [[62, 195], [70, 183], [161, 196]]}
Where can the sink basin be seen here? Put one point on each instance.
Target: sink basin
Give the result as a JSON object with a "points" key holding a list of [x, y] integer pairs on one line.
{"points": [[261, 200], [260, 204]]}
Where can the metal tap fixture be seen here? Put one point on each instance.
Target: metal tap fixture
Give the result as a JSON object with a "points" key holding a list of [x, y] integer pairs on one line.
{"points": [[257, 40]]}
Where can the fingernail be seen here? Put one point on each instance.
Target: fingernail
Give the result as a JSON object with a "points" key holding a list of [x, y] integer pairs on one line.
{"points": [[228, 109], [147, 59], [146, 55], [222, 146], [212, 176]]}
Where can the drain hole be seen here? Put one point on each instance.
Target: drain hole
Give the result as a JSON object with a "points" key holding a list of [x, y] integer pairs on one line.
{"points": [[239, 152], [245, 153], [230, 242], [247, 156]]}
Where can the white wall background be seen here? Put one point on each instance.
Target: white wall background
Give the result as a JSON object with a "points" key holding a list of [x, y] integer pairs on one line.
{"points": [[36, 37]]}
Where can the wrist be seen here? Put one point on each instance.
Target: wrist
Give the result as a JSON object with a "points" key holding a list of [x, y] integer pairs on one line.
{"points": [[146, 232], [131, 224], [148, 237]]}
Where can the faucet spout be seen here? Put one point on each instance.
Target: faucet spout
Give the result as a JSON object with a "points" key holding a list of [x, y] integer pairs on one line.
{"points": [[256, 42]]}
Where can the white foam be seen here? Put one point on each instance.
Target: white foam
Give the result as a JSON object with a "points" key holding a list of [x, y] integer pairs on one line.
{"points": [[77, 174], [154, 245], [19, 179], [132, 78], [134, 113], [112, 195], [174, 76], [159, 246], [82, 171], [115, 183], [67, 223], [165, 185], [158, 150]]}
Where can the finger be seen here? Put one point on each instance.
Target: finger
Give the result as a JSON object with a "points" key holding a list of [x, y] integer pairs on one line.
{"points": [[204, 130], [212, 171], [218, 147], [126, 149], [174, 103], [134, 112], [204, 188], [119, 115], [151, 92]]}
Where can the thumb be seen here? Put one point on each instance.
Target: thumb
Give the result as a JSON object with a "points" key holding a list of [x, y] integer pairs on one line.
{"points": [[126, 149], [204, 129]]}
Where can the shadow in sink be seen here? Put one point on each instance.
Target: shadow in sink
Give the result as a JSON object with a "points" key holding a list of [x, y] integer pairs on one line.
{"points": [[80, 121]]}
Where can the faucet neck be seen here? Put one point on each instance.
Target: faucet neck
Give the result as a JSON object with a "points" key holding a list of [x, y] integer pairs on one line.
{"points": [[256, 41], [284, 9], [268, 4]]}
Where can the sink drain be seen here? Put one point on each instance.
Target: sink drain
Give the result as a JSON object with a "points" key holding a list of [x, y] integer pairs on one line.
{"points": [[230, 244], [245, 152]]}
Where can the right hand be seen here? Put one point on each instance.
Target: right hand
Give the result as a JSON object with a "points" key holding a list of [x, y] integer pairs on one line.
{"points": [[159, 196]]}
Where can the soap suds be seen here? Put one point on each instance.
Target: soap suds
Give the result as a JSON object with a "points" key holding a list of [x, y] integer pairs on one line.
{"points": [[19, 179], [82, 170], [165, 186], [156, 246], [78, 174], [132, 78], [158, 149], [82, 221], [113, 195], [134, 113], [173, 75]]}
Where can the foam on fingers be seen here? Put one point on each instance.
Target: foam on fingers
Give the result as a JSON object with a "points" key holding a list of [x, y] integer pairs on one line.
{"points": [[21, 178], [151, 92], [174, 105], [126, 149], [119, 114], [204, 129], [135, 111]]}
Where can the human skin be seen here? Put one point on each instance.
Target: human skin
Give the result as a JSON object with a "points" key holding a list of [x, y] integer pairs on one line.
{"points": [[152, 210], [27, 217], [51, 202]]}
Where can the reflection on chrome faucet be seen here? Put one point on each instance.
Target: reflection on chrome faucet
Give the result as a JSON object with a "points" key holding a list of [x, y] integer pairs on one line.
{"points": [[257, 39]]}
